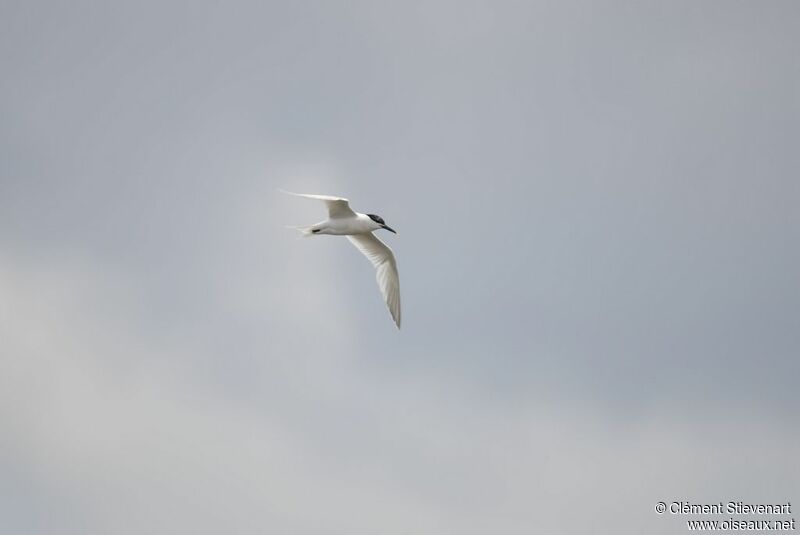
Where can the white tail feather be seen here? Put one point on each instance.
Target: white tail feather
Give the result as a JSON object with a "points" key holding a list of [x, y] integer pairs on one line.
{"points": [[306, 231]]}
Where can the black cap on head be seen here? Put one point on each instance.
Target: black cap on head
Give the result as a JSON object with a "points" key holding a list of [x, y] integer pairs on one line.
{"points": [[379, 220]]}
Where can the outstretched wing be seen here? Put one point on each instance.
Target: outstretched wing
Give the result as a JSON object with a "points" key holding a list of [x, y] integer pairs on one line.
{"points": [[337, 206], [386, 269]]}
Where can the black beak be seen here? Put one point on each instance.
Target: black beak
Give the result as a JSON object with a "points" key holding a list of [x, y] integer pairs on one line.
{"points": [[390, 229]]}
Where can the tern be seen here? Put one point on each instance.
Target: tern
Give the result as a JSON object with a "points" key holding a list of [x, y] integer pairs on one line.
{"points": [[359, 228]]}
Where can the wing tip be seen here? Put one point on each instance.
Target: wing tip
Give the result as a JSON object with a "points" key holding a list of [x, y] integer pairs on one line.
{"points": [[317, 196], [396, 317]]}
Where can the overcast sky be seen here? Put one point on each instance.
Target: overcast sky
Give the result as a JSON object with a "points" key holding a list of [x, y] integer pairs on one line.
{"points": [[599, 248]]}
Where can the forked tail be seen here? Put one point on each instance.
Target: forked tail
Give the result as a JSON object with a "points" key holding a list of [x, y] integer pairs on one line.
{"points": [[306, 232]]}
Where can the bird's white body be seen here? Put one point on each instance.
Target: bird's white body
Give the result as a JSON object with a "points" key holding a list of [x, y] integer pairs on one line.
{"points": [[342, 221], [345, 226]]}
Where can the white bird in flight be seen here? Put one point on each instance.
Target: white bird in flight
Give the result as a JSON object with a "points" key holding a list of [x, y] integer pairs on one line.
{"points": [[343, 221]]}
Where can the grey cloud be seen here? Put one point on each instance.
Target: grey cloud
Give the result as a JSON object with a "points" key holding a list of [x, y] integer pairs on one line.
{"points": [[604, 313]]}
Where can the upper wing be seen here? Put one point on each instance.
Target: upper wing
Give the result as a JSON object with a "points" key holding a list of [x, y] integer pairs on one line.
{"points": [[337, 206], [383, 259]]}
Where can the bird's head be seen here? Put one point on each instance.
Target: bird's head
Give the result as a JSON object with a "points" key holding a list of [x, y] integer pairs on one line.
{"points": [[380, 222]]}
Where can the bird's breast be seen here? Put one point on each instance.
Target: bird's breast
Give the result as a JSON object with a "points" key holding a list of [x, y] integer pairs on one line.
{"points": [[348, 226]]}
